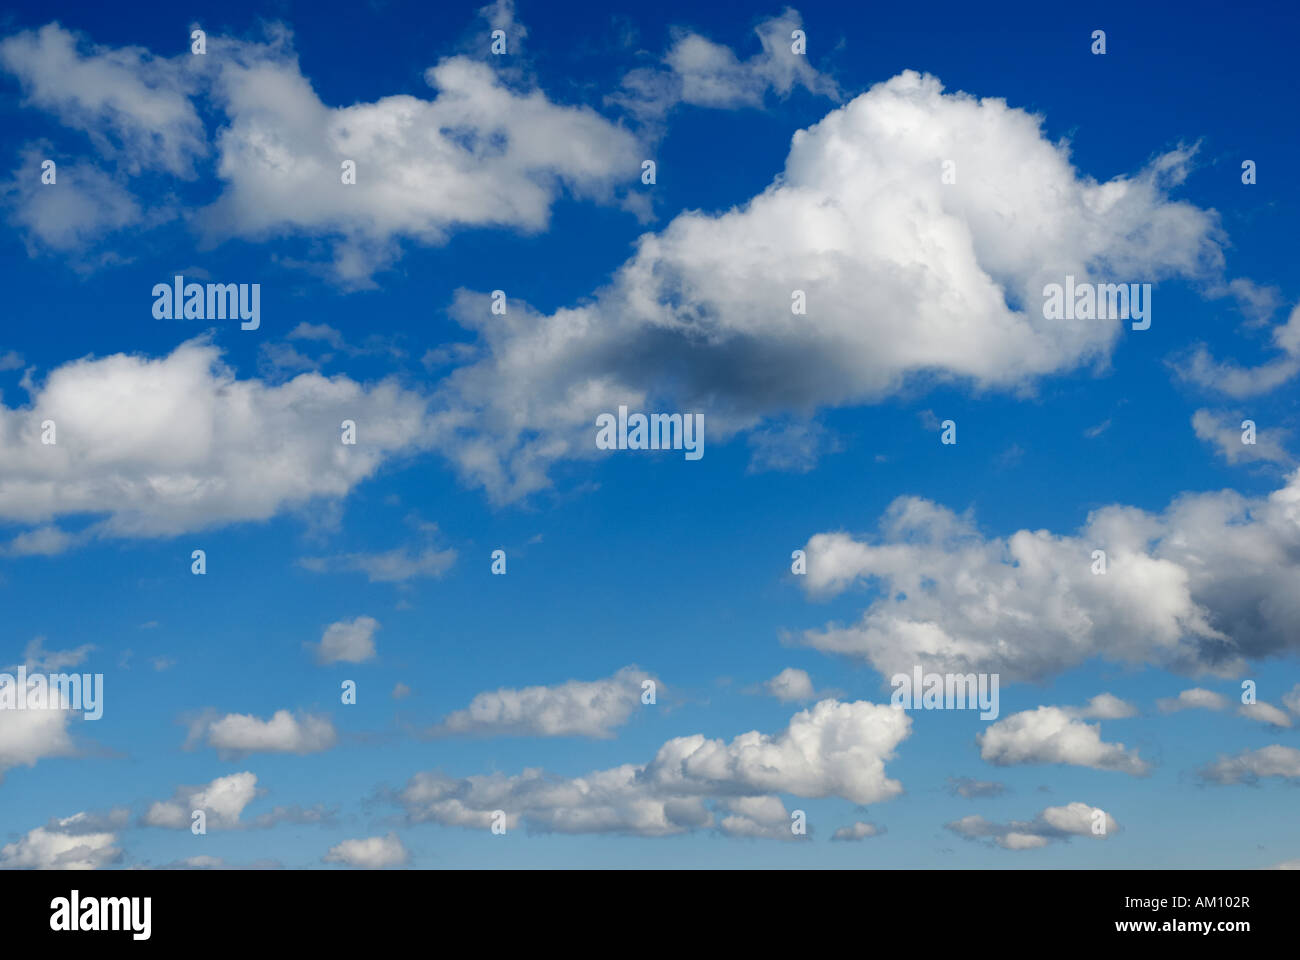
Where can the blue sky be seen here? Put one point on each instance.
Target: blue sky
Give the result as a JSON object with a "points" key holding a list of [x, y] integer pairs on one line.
{"points": [[522, 172]]}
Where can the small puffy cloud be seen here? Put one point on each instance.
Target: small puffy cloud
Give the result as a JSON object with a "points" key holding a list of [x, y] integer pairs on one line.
{"points": [[1291, 700], [1105, 706], [830, 749], [1054, 735], [1052, 824], [65, 844], [237, 734], [500, 15], [762, 817], [1262, 712], [401, 691], [81, 206], [370, 853], [27, 736], [857, 831], [346, 641], [222, 800], [1197, 698], [575, 708], [1253, 765], [1225, 432], [702, 73], [40, 542], [790, 684]]}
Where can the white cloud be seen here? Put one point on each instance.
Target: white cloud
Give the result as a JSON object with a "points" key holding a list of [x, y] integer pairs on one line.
{"points": [[790, 684], [68, 215], [763, 817], [500, 15], [1097, 430], [175, 444], [575, 708], [129, 102], [370, 853], [236, 734], [1054, 823], [1201, 587], [1196, 698], [904, 275], [223, 800], [390, 566], [477, 154], [1237, 381], [607, 801], [702, 73], [1256, 303], [832, 749], [857, 831], [1250, 765], [1053, 735], [347, 641], [480, 153], [1291, 700], [1262, 712], [37, 658], [1106, 706], [27, 736], [63, 845], [1224, 431], [40, 542]]}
